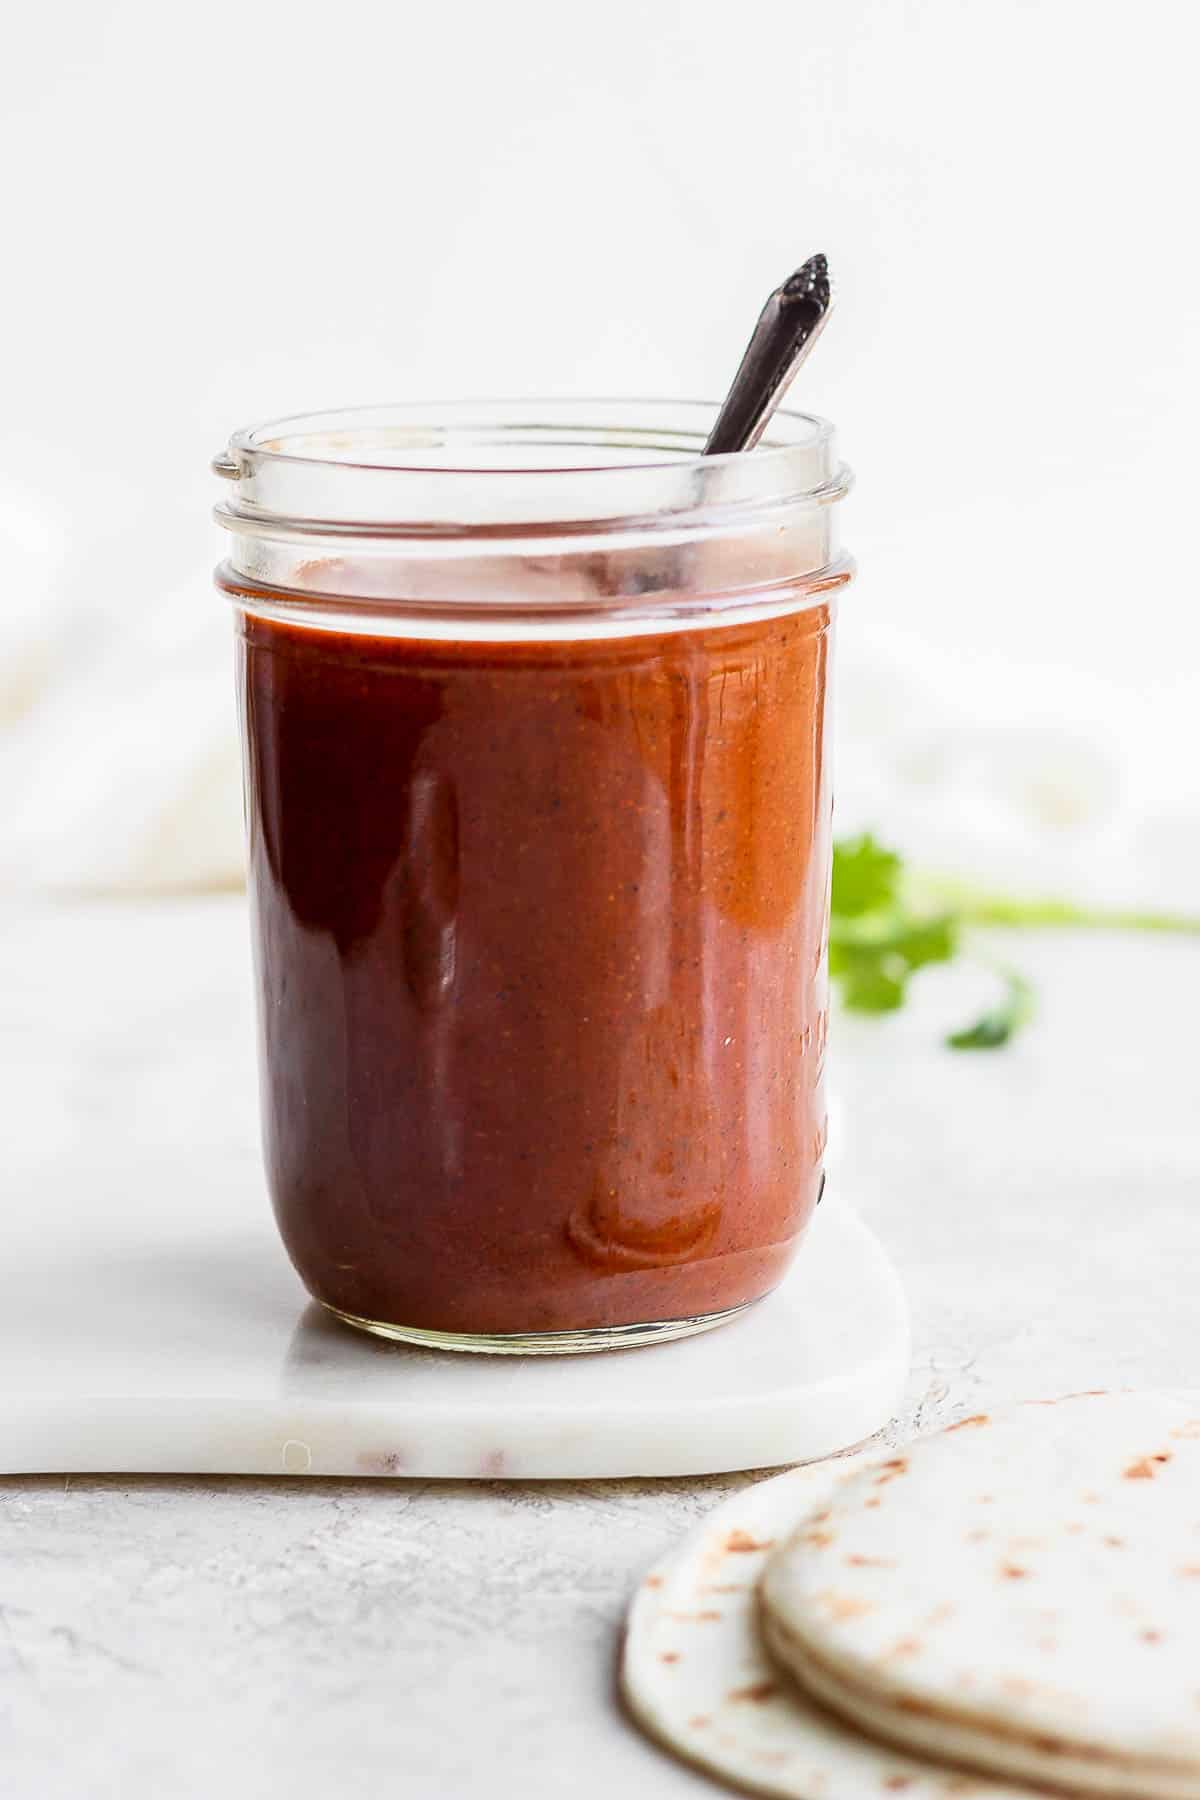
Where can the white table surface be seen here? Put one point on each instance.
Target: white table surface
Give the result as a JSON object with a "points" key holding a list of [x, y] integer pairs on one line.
{"points": [[297, 1637]]}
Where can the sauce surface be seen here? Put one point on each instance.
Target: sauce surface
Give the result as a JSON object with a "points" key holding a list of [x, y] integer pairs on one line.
{"points": [[540, 936]]}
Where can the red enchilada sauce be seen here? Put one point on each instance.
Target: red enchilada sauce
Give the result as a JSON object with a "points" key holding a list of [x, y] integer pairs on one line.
{"points": [[541, 930]]}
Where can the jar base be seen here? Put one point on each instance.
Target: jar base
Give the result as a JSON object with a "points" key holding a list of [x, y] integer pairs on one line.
{"points": [[544, 1343]]}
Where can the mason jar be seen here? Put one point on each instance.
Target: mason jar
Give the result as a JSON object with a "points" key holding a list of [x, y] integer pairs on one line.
{"points": [[534, 707]]}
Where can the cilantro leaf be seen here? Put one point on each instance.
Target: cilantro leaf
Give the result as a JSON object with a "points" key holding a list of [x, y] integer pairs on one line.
{"points": [[924, 941], [887, 922], [999, 1023], [865, 876], [879, 936], [868, 985]]}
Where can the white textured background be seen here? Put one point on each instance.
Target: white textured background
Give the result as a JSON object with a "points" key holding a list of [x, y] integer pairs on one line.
{"points": [[219, 213]]}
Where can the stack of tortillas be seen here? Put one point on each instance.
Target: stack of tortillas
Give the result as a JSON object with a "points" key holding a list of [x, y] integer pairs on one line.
{"points": [[1013, 1603]]}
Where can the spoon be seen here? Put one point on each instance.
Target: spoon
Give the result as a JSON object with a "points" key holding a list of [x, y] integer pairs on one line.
{"points": [[788, 327]]}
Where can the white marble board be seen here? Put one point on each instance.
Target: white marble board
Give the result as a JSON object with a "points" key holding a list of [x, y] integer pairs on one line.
{"points": [[151, 1322]]}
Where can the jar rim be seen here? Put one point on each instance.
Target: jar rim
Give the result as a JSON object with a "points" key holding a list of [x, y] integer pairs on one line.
{"points": [[789, 430], [421, 469]]}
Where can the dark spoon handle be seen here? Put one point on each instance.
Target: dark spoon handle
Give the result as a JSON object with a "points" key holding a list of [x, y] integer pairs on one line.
{"points": [[786, 331]]}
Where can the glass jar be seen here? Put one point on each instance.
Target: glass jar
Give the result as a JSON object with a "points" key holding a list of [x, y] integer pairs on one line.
{"points": [[534, 714]]}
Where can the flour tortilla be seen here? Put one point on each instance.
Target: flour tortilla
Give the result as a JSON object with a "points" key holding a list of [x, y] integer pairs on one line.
{"points": [[696, 1677], [1020, 1594]]}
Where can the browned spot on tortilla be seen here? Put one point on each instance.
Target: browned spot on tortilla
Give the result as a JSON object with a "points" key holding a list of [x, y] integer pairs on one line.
{"points": [[820, 1540], [1051, 1745], [1115, 1543], [757, 1692], [694, 1618], [842, 1606], [871, 1562], [1162, 1456], [1013, 1571], [1091, 1499], [1019, 1684], [819, 1518], [910, 1704], [896, 1783], [698, 1721], [1190, 1569], [871, 1500], [653, 1581], [964, 1424], [381, 1462], [740, 1543], [986, 1499], [1141, 1470], [889, 1470], [668, 1656], [979, 1535], [1189, 1429], [1151, 1637], [1047, 1644], [908, 1646], [940, 1614], [1075, 1527], [724, 1587]]}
